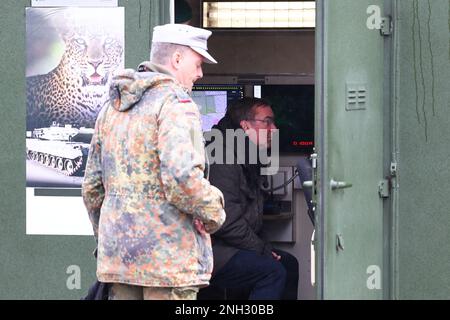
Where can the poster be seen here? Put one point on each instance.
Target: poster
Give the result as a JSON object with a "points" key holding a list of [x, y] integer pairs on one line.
{"points": [[72, 54]]}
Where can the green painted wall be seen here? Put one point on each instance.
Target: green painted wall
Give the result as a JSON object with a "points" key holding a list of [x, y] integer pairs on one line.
{"points": [[34, 267], [422, 139]]}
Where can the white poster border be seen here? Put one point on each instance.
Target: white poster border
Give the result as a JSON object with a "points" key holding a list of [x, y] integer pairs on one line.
{"points": [[47, 215], [74, 3]]}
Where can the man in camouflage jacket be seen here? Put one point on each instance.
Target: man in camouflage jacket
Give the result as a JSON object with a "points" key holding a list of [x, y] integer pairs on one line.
{"points": [[144, 187]]}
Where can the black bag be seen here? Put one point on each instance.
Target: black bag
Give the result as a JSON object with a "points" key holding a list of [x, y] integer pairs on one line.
{"points": [[98, 291]]}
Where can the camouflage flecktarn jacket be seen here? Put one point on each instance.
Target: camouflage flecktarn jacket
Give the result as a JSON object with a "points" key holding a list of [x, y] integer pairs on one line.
{"points": [[144, 185]]}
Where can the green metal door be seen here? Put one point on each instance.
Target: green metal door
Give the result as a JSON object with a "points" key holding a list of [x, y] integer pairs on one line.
{"points": [[349, 145]]}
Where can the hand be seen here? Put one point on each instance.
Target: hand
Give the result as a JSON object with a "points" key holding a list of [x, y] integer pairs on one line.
{"points": [[275, 256], [199, 226]]}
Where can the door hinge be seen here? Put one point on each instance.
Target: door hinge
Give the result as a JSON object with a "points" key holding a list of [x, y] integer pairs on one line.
{"points": [[387, 26], [384, 188]]}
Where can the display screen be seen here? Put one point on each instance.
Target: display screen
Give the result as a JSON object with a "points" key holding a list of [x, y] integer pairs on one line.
{"points": [[213, 101], [293, 106]]}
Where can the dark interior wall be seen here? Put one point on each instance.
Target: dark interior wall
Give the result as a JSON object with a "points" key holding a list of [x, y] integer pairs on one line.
{"points": [[196, 10], [262, 52]]}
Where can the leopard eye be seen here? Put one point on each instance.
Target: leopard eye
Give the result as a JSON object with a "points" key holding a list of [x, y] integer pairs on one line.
{"points": [[80, 41], [109, 40]]}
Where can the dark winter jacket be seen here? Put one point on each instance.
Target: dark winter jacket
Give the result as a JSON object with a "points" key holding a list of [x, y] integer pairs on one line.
{"points": [[240, 185]]}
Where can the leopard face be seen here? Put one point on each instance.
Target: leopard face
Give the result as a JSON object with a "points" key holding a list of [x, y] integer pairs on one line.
{"points": [[77, 88], [95, 56]]}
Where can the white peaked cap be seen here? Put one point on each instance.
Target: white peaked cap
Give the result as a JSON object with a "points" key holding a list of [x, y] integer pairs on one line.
{"points": [[195, 38]]}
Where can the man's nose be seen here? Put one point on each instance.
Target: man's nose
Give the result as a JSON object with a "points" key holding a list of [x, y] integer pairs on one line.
{"points": [[200, 73]]}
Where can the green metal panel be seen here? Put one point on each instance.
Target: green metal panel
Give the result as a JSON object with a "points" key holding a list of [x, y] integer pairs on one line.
{"points": [[421, 247], [350, 65], [34, 267]]}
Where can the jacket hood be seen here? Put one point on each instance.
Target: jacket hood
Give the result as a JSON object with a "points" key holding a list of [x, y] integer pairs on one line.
{"points": [[128, 86]]}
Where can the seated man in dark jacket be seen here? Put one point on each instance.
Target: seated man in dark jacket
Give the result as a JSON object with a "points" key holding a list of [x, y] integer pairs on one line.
{"points": [[242, 259]]}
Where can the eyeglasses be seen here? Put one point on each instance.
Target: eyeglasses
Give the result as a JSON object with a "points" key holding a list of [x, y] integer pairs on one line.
{"points": [[268, 121]]}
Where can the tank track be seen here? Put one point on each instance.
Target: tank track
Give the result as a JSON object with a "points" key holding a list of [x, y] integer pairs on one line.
{"points": [[68, 167]]}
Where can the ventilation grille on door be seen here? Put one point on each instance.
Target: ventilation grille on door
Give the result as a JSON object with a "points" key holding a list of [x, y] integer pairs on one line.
{"points": [[356, 95]]}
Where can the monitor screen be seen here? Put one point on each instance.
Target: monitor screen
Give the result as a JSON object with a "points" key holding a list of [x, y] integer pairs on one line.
{"points": [[213, 101], [293, 106]]}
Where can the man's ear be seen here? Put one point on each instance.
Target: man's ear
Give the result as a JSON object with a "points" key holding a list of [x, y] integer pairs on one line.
{"points": [[243, 124], [175, 59]]}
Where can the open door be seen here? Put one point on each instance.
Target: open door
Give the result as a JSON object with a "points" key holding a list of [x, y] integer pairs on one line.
{"points": [[350, 40]]}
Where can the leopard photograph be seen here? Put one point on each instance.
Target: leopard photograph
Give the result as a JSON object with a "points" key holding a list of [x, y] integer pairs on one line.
{"points": [[71, 56]]}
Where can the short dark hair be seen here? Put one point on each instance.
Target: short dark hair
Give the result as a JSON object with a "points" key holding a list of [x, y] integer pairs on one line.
{"points": [[244, 109]]}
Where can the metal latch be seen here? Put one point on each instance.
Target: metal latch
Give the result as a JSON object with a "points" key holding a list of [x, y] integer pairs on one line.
{"points": [[386, 26], [339, 242], [393, 169], [383, 188], [313, 182]]}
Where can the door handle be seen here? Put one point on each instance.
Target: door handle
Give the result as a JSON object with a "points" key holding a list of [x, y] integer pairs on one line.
{"points": [[339, 184]]}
